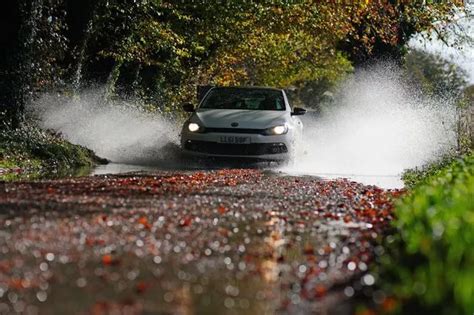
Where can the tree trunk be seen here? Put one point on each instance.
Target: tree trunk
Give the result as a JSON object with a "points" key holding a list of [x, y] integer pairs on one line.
{"points": [[112, 80], [21, 18], [24, 69]]}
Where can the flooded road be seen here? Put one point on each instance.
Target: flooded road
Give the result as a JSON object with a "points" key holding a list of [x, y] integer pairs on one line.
{"points": [[189, 242], [386, 181]]}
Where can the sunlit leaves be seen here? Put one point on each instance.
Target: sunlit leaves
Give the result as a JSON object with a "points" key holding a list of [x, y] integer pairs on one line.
{"points": [[160, 50], [383, 27]]}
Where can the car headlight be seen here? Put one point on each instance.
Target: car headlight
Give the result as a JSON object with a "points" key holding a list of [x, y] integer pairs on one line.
{"points": [[277, 130], [193, 127]]}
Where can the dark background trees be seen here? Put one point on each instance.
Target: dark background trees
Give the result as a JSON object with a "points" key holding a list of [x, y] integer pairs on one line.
{"points": [[158, 51]]}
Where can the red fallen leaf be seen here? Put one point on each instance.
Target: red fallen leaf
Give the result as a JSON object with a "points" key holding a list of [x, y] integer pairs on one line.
{"points": [[304, 294], [300, 224], [108, 260], [101, 218], [97, 241], [142, 287], [172, 180], [320, 291], [5, 266], [144, 221], [311, 258], [125, 182], [327, 249], [314, 271], [100, 308], [397, 193], [51, 190], [222, 209], [104, 307], [231, 182], [185, 222], [308, 249], [285, 304], [16, 283], [347, 218], [248, 258], [223, 231], [91, 241]]}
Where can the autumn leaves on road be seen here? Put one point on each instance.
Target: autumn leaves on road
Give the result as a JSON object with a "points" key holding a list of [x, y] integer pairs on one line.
{"points": [[195, 242]]}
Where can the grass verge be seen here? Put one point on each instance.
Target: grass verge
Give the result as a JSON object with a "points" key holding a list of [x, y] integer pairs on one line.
{"points": [[429, 268], [33, 151]]}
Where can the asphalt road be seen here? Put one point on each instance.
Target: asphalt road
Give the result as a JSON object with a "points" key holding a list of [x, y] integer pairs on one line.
{"points": [[231, 241]]}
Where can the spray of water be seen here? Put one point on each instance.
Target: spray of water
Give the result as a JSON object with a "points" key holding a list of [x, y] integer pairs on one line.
{"points": [[376, 127], [119, 131]]}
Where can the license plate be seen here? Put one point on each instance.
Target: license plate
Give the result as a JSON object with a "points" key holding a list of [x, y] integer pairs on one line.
{"points": [[234, 140]]}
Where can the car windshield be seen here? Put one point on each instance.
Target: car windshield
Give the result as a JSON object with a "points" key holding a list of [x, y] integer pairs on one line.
{"points": [[244, 98]]}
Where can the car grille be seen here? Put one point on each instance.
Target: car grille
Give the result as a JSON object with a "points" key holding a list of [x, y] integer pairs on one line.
{"points": [[234, 130], [235, 149]]}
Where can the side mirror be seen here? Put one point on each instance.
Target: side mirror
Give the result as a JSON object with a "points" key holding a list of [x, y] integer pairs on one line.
{"points": [[188, 107], [298, 111]]}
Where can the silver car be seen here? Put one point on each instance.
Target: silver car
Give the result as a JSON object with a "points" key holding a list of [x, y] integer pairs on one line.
{"points": [[243, 122]]}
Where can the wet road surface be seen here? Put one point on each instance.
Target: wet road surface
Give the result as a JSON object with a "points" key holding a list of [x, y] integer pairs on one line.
{"points": [[238, 241]]}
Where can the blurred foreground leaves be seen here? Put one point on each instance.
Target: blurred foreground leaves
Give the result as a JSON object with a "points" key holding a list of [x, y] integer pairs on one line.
{"points": [[429, 268]]}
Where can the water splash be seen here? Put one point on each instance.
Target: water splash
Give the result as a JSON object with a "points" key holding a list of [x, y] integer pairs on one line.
{"points": [[377, 127], [119, 131], [78, 74]]}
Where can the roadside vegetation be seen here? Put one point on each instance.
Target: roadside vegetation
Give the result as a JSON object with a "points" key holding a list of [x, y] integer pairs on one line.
{"points": [[28, 151], [420, 175], [428, 269]]}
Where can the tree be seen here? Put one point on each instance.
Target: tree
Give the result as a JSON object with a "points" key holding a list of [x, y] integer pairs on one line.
{"points": [[33, 49], [434, 75], [158, 50]]}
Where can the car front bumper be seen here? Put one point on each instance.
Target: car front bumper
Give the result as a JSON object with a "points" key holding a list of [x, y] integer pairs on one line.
{"points": [[276, 147]]}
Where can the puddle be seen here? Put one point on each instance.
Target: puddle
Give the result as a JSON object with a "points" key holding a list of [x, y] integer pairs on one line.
{"points": [[382, 181]]}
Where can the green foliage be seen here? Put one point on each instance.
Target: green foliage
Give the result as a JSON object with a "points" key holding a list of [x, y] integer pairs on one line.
{"points": [[419, 175], [429, 268], [381, 28], [174, 45], [469, 94], [30, 149], [160, 50]]}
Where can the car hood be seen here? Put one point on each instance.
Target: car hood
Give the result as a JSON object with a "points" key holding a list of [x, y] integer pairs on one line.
{"points": [[251, 119]]}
